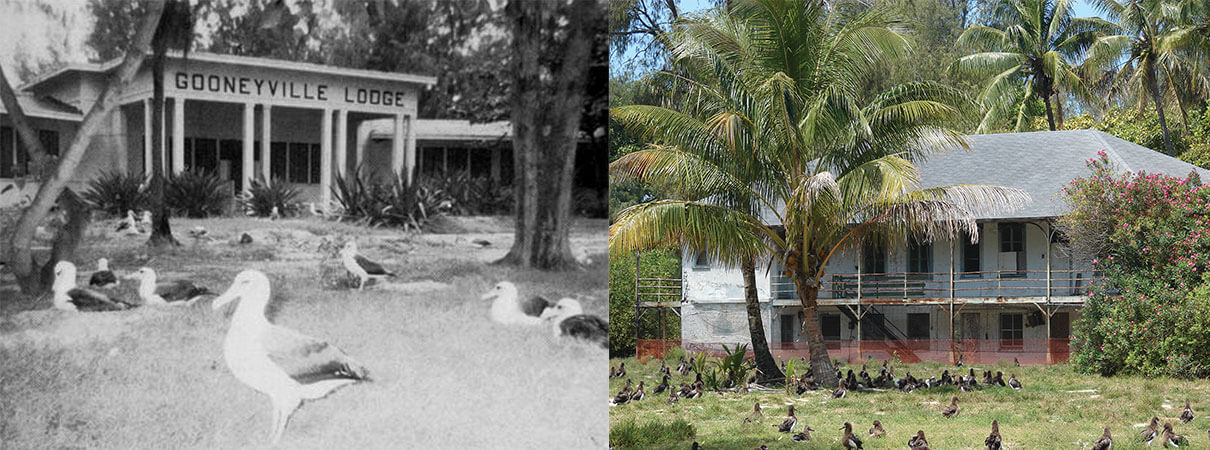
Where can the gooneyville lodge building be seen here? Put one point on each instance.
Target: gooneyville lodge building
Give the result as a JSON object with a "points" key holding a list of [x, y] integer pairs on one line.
{"points": [[1012, 294], [250, 118]]}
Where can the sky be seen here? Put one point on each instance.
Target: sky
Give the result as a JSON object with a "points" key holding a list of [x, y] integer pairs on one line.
{"points": [[1081, 9]]}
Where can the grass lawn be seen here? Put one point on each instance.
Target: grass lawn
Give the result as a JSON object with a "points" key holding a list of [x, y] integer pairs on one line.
{"points": [[1058, 408], [444, 375]]}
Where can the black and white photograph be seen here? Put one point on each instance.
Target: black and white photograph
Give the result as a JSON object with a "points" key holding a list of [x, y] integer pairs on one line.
{"points": [[304, 224]]}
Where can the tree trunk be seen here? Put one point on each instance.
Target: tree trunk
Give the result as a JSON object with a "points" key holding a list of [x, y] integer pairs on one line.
{"points": [[21, 259], [1050, 115], [161, 230], [1159, 109], [1058, 111], [821, 363], [765, 363], [546, 105]]}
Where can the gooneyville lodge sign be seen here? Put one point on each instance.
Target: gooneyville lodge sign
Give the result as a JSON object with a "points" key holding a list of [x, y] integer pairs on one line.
{"points": [[286, 89]]}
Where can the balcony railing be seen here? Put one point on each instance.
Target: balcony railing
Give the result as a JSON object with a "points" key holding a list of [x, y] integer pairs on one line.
{"points": [[1001, 284]]}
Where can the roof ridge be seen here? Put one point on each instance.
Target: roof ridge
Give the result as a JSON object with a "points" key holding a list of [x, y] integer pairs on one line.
{"points": [[1110, 151]]}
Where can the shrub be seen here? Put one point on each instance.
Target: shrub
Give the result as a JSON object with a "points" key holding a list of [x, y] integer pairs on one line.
{"points": [[115, 193], [197, 194], [262, 197], [590, 203], [472, 195], [653, 264], [734, 368], [390, 204], [1148, 234], [654, 434]]}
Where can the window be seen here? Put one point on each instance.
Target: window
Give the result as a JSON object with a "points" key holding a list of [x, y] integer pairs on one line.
{"points": [[918, 325], [1012, 249], [455, 160], [13, 160], [970, 255], [204, 155], [873, 327], [299, 163], [279, 161], [50, 141], [1012, 331], [830, 326], [432, 160], [919, 257], [701, 260], [873, 259], [316, 163], [787, 328]]}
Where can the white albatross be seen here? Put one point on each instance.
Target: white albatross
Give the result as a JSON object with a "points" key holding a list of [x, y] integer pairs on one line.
{"points": [[569, 320], [359, 266], [510, 310], [177, 292], [279, 362], [68, 297]]}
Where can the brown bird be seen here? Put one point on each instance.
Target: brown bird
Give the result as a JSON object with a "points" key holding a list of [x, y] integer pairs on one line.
{"points": [[849, 440], [672, 397], [1172, 438], [804, 436], [993, 439], [840, 391], [877, 431], [756, 415], [621, 370], [1187, 414], [952, 409], [638, 394], [663, 386], [788, 424], [623, 395], [918, 442], [613, 372], [1016, 363], [1013, 382], [1105, 442], [1153, 429]]}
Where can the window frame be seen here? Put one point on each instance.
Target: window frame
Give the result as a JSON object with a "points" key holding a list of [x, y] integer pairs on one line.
{"points": [[975, 250], [1012, 335], [928, 325]]}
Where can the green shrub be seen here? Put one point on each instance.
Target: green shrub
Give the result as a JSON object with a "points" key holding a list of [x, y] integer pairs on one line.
{"points": [[390, 204], [197, 194], [1149, 236], [115, 193], [653, 434], [262, 197], [734, 368], [654, 264]]}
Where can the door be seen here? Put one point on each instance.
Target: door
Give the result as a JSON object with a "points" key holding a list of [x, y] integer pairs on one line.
{"points": [[1060, 326], [970, 326], [787, 328]]}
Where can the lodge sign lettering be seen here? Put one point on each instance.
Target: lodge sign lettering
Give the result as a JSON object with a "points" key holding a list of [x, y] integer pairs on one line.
{"points": [[285, 89]]}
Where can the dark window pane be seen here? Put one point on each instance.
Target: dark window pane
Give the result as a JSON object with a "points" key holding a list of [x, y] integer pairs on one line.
{"points": [[830, 326], [300, 155], [874, 259], [316, 160], [205, 152], [1011, 330], [232, 151], [1012, 237], [918, 325], [481, 162], [455, 159], [920, 257], [50, 141], [701, 260], [278, 161], [506, 164], [787, 328], [431, 160], [970, 255], [6, 152]]}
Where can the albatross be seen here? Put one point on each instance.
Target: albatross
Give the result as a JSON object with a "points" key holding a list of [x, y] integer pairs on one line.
{"points": [[279, 362], [359, 266], [508, 309], [177, 292], [569, 320], [103, 278], [68, 297]]}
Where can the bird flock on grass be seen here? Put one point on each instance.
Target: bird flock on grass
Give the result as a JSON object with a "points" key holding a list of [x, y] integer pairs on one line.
{"points": [[287, 366], [794, 423]]}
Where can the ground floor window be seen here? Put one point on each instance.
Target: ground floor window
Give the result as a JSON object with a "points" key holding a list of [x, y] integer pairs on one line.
{"points": [[787, 328], [873, 327], [1012, 331], [14, 161], [442, 160], [918, 325], [830, 326], [293, 162]]}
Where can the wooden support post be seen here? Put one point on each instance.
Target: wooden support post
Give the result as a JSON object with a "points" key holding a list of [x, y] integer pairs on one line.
{"points": [[1049, 355], [636, 304], [953, 347]]}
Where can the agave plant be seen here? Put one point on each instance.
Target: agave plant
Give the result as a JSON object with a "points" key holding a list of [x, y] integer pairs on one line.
{"points": [[115, 193], [393, 203], [262, 197], [734, 368], [198, 194]]}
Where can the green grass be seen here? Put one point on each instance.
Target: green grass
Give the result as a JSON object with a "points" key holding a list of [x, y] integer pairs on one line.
{"points": [[1057, 409], [444, 375]]}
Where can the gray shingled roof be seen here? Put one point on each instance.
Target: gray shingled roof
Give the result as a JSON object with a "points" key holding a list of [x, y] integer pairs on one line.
{"points": [[1042, 163]]}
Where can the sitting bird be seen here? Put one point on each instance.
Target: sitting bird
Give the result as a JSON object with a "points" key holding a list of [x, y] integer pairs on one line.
{"points": [[1105, 442], [804, 436], [1187, 414], [877, 431], [281, 363], [840, 390], [145, 221], [621, 370], [638, 393], [568, 319], [509, 309], [129, 225], [918, 442], [787, 425], [756, 415], [623, 395], [849, 440], [178, 292], [952, 409], [663, 386], [103, 278], [1172, 438], [361, 267], [1013, 382], [998, 380], [69, 297], [1153, 429], [672, 397], [993, 440], [274, 213]]}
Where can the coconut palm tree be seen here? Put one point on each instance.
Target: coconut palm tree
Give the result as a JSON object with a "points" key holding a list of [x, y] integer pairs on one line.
{"points": [[1147, 58], [175, 31], [1027, 53], [769, 154]]}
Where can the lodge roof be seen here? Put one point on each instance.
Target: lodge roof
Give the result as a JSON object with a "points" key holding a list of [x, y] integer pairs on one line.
{"points": [[1042, 163], [46, 108]]}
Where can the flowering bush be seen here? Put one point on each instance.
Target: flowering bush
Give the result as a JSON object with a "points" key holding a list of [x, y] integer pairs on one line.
{"points": [[1150, 235]]}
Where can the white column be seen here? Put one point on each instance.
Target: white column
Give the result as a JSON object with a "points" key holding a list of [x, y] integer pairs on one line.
{"points": [[178, 135], [325, 160], [342, 142], [118, 131], [266, 134], [397, 146], [409, 150], [146, 136], [248, 169]]}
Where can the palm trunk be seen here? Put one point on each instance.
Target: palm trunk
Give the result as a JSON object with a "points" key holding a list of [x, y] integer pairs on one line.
{"points": [[821, 363], [1050, 115], [1159, 109], [1058, 112], [765, 363]]}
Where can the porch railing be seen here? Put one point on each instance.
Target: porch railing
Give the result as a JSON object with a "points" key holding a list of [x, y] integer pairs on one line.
{"points": [[946, 285]]}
